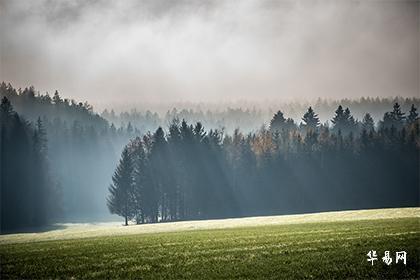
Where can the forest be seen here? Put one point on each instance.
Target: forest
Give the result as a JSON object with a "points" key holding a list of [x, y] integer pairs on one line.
{"points": [[189, 173], [81, 151], [61, 161], [249, 117]]}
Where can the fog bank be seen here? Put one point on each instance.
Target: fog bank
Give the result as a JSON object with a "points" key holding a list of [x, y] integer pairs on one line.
{"points": [[129, 52]]}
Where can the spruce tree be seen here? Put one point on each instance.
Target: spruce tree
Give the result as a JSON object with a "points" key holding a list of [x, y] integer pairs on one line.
{"points": [[393, 120], [397, 116], [338, 119], [278, 122], [120, 199], [140, 176], [413, 116], [310, 119], [368, 123]]}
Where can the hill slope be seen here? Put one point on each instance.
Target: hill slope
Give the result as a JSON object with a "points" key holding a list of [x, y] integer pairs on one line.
{"points": [[80, 230], [320, 246]]}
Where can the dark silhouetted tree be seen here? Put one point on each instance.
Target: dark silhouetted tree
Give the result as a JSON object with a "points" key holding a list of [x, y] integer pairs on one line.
{"points": [[413, 116], [120, 199], [367, 123], [310, 119], [278, 122], [29, 197]]}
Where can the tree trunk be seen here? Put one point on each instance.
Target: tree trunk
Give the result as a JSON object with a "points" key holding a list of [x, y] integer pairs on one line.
{"points": [[126, 220]]}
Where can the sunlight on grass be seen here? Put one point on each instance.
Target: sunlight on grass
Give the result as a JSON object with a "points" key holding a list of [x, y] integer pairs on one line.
{"points": [[268, 248], [70, 231]]}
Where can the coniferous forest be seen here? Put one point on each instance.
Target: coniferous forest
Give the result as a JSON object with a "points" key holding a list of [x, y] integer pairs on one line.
{"points": [[60, 161], [79, 149], [191, 173], [29, 196]]}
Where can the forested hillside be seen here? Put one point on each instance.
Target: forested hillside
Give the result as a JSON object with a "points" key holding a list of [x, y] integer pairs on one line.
{"points": [[82, 149], [29, 196]]}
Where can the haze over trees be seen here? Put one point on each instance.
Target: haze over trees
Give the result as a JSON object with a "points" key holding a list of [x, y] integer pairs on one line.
{"points": [[29, 195], [83, 149], [59, 157], [190, 173], [249, 117]]}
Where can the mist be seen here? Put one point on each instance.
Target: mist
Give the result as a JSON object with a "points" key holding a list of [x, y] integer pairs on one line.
{"points": [[127, 53]]}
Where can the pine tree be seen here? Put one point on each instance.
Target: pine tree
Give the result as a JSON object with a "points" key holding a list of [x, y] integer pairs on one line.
{"points": [[310, 119], [338, 119], [367, 123], [278, 122], [56, 98], [176, 169], [351, 124], [413, 116], [343, 121], [140, 178], [397, 116], [120, 199], [159, 184], [393, 120], [6, 109]]}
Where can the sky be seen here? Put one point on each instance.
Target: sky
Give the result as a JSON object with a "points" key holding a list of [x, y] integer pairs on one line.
{"points": [[154, 51]]}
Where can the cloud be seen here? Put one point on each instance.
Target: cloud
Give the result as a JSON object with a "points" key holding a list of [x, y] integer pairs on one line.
{"points": [[127, 52]]}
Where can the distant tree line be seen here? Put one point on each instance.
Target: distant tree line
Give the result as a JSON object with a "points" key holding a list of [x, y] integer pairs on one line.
{"points": [[250, 117], [29, 197], [189, 173]]}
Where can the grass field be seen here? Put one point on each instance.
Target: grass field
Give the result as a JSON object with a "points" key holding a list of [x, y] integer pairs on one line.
{"points": [[326, 245]]}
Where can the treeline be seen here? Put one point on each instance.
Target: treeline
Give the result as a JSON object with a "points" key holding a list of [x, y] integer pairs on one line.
{"points": [[32, 105], [195, 173], [83, 148], [189, 173], [250, 117], [29, 196]]}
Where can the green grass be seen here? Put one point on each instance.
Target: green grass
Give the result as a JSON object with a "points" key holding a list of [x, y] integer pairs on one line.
{"points": [[310, 250]]}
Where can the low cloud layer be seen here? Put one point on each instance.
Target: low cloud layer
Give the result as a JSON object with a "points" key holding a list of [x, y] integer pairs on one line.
{"points": [[151, 51]]}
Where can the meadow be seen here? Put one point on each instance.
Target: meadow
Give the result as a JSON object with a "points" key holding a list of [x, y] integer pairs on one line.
{"points": [[315, 246]]}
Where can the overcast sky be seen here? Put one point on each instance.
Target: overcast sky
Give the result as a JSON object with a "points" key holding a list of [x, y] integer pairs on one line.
{"points": [[127, 52]]}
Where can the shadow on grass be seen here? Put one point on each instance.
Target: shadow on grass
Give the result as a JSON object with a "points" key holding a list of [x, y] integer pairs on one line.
{"points": [[39, 229]]}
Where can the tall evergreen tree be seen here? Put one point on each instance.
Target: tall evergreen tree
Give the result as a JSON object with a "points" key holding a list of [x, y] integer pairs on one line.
{"points": [[278, 122], [158, 162], [120, 199], [397, 114], [367, 123], [393, 120], [339, 119], [310, 119], [140, 174], [413, 116]]}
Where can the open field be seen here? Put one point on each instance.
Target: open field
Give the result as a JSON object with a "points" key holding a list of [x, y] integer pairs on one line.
{"points": [[325, 245]]}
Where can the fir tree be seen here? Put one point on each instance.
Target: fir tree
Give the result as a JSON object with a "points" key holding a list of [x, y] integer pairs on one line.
{"points": [[310, 119], [367, 123], [413, 116], [278, 122], [120, 199]]}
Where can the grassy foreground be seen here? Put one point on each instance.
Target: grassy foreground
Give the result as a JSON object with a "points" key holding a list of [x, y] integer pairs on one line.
{"points": [[302, 250]]}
